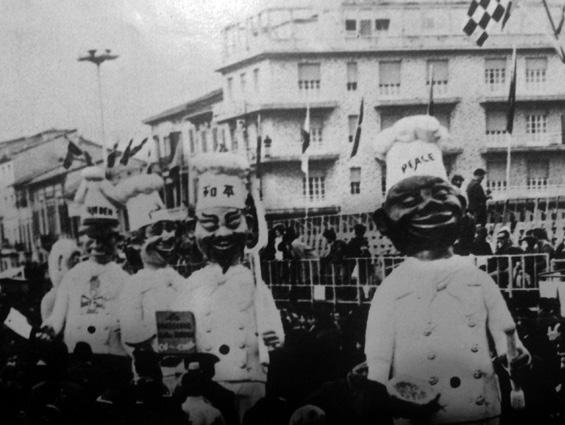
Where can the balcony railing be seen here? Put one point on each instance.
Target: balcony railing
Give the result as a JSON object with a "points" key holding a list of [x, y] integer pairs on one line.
{"points": [[539, 187], [389, 89], [498, 138]]}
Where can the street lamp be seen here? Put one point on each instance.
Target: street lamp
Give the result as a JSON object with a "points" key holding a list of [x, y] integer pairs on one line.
{"points": [[98, 60]]}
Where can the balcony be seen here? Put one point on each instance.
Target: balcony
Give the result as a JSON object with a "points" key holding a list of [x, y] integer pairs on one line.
{"points": [[496, 141], [541, 187], [233, 110]]}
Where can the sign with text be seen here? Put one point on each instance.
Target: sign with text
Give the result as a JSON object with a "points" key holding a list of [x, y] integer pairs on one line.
{"points": [[175, 332]]}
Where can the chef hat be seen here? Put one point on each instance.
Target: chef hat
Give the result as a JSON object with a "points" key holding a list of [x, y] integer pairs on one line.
{"points": [[412, 147], [141, 196], [222, 180], [95, 196]]}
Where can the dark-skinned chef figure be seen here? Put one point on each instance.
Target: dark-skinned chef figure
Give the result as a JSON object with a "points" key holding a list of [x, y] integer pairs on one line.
{"points": [[236, 317], [431, 319]]}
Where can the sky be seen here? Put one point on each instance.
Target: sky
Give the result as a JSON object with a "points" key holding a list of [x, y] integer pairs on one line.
{"points": [[168, 52]]}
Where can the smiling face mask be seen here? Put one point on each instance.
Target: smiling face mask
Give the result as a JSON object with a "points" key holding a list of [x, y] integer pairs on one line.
{"points": [[159, 245], [221, 234], [421, 212]]}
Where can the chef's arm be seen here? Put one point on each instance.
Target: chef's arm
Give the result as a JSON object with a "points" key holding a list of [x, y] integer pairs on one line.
{"points": [[379, 336], [499, 318], [56, 321]]}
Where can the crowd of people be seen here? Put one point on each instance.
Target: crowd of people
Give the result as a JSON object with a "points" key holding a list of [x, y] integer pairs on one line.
{"points": [[439, 344]]}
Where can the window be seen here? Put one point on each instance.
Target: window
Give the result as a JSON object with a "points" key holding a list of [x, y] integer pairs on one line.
{"points": [[308, 76], [191, 140], [316, 190], [538, 173], [496, 126], [243, 83], [352, 76], [214, 139], [350, 25], [230, 88], [355, 180], [536, 123], [440, 71], [365, 29], [256, 80], [204, 140], [496, 175], [536, 69], [389, 77], [316, 128], [352, 125], [382, 24], [495, 73]]}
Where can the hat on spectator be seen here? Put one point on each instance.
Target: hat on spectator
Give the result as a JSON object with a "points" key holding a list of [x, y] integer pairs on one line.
{"points": [[412, 147], [479, 172]]}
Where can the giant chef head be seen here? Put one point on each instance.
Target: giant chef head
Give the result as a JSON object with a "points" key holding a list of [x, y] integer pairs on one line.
{"points": [[225, 211], [422, 210]]}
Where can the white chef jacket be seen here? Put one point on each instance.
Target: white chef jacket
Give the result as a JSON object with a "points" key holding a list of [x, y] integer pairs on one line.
{"points": [[231, 314], [144, 293], [429, 320], [86, 306]]}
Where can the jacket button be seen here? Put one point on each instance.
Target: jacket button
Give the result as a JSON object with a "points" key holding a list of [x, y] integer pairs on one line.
{"points": [[427, 332], [477, 374], [433, 380], [209, 330], [471, 324], [241, 327], [243, 365], [480, 400], [208, 348], [474, 348], [431, 356], [242, 345]]}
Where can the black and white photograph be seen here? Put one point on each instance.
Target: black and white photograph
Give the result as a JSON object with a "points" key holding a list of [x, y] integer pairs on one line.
{"points": [[282, 212]]}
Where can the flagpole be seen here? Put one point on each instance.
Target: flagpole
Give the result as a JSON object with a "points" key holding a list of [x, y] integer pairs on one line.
{"points": [[181, 166], [510, 119], [430, 110]]}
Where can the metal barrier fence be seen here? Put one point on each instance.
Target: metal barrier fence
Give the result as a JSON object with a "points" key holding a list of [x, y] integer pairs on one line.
{"points": [[355, 280]]}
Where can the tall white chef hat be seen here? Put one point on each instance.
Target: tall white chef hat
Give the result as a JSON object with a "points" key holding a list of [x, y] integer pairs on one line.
{"points": [[95, 196], [141, 196], [412, 147], [222, 180]]}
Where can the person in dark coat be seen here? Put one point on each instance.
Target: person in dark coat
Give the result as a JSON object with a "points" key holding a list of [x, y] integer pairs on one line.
{"points": [[477, 198], [335, 258], [480, 245], [358, 249]]}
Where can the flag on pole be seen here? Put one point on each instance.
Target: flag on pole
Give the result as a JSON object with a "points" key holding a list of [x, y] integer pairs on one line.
{"points": [[73, 151], [137, 148], [125, 156], [112, 156], [511, 106], [178, 158], [357, 139], [556, 31], [482, 14], [430, 110], [259, 142], [305, 133]]}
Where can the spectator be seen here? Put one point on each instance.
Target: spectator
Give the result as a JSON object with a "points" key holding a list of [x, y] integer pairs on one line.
{"points": [[477, 198], [480, 244], [358, 250], [334, 260], [457, 180], [501, 269]]}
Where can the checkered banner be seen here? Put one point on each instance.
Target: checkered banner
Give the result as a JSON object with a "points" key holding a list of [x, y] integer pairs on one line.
{"points": [[482, 14]]}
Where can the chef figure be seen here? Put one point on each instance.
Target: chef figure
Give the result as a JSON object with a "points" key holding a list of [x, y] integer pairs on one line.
{"points": [[86, 304], [236, 317], [154, 287], [432, 318]]}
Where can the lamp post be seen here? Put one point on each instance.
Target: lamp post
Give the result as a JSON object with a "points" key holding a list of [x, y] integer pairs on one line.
{"points": [[98, 60]]}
